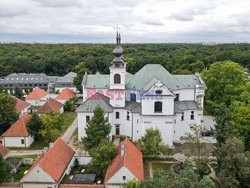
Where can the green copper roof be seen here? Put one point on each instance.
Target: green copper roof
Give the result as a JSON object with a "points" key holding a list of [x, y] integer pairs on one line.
{"points": [[180, 106], [145, 78], [150, 71]]}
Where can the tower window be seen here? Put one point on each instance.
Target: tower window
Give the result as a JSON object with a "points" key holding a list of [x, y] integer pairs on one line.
{"points": [[117, 115], [117, 129], [128, 115], [182, 116], [177, 97], [117, 79], [158, 106], [192, 115], [87, 119]]}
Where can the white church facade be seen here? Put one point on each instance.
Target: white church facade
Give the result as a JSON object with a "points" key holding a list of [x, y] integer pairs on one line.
{"points": [[151, 98]]}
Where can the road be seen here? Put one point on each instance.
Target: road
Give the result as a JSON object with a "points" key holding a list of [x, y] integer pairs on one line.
{"points": [[67, 135]]}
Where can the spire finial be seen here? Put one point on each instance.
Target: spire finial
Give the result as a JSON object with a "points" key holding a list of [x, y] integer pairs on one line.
{"points": [[117, 37]]}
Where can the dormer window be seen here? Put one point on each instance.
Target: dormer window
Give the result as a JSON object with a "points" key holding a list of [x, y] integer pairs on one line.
{"points": [[158, 107], [158, 92], [117, 79]]}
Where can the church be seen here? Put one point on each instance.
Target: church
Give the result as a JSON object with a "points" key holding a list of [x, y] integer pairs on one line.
{"points": [[150, 98]]}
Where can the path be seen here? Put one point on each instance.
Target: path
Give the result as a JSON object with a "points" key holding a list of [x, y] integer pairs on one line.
{"points": [[67, 135], [14, 153]]}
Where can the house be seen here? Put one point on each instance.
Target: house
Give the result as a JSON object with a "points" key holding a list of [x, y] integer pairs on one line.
{"points": [[151, 98], [127, 165], [51, 105], [18, 135], [50, 168], [4, 151], [66, 82], [22, 107], [37, 97], [65, 95], [26, 82]]}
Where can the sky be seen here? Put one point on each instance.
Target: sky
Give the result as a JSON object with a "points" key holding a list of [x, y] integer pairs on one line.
{"points": [[139, 21]]}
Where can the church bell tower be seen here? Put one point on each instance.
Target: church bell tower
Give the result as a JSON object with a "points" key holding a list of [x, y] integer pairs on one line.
{"points": [[117, 74]]}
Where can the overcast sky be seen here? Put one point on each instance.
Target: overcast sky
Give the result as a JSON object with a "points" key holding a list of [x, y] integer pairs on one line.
{"points": [[139, 20]]}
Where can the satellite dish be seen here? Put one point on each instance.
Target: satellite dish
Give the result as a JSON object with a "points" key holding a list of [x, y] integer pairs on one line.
{"points": [[99, 182], [71, 177], [83, 170]]}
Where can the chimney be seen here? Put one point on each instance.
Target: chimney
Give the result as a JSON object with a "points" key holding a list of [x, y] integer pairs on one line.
{"points": [[122, 149]]}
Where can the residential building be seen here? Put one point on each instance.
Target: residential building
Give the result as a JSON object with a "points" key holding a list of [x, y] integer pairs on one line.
{"points": [[37, 97], [26, 82], [126, 165], [50, 168], [51, 105], [66, 82], [151, 98], [65, 95], [18, 135], [22, 107]]}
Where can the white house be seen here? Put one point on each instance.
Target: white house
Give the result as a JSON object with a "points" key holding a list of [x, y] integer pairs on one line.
{"points": [[65, 95], [126, 165], [51, 105], [50, 168], [150, 98], [22, 107], [37, 97], [18, 135]]}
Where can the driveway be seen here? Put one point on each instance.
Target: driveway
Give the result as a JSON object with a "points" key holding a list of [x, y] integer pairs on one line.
{"points": [[67, 135]]}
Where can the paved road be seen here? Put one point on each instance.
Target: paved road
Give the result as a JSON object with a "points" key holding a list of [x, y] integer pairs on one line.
{"points": [[67, 135]]}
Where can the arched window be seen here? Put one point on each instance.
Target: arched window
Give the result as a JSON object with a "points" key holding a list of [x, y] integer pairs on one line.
{"points": [[158, 106], [117, 79]]}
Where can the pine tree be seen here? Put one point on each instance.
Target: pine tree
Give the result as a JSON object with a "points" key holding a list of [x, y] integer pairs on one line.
{"points": [[35, 125], [98, 128]]}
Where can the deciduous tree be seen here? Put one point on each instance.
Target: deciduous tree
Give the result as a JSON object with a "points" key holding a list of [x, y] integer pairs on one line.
{"points": [[35, 125]]}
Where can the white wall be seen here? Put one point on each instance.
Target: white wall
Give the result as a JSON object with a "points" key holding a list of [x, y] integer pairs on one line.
{"points": [[185, 94], [24, 111], [117, 178], [16, 141], [81, 124]]}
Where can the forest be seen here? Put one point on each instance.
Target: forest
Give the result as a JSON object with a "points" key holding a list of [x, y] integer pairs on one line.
{"points": [[59, 59]]}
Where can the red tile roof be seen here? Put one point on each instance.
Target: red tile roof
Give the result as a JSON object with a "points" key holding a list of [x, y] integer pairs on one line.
{"points": [[20, 104], [49, 106], [19, 128], [66, 94], [56, 160], [132, 159], [36, 94], [3, 150]]}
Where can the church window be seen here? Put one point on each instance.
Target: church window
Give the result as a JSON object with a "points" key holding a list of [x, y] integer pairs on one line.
{"points": [[117, 115], [158, 106], [177, 97], [117, 79]]}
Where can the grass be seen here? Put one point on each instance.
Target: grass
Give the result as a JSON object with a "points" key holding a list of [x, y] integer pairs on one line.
{"points": [[67, 120], [164, 166], [18, 176]]}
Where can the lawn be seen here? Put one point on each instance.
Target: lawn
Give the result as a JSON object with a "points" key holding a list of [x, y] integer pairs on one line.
{"points": [[158, 165], [20, 174]]}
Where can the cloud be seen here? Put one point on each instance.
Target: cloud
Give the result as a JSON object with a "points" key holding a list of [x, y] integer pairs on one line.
{"points": [[139, 20]]}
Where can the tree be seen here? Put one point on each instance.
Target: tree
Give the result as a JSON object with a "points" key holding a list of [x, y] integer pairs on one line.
{"points": [[206, 182], [152, 143], [182, 71], [224, 123], [35, 125], [80, 70], [18, 92], [97, 129], [70, 105], [51, 126], [101, 157], [133, 184], [5, 170], [225, 81], [198, 66], [8, 114], [233, 163]]}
